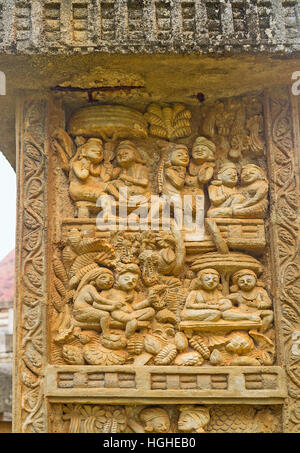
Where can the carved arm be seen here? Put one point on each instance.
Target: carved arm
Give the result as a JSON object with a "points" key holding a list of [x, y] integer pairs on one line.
{"points": [[216, 194], [81, 169]]}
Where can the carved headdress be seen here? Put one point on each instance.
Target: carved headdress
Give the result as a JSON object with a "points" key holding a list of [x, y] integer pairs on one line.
{"points": [[203, 141], [199, 414], [259, 169], [197, 282], [149, 414], [131, 267], [93, 275], [82, 149], [225, 167], [237, 275], [208, 271], [128, 144]]}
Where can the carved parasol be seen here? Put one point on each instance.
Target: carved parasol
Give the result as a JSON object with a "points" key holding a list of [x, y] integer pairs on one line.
{"points": [[110, 122]]}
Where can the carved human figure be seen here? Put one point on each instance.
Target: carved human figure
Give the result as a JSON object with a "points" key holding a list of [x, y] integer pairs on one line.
{"points": [[193, 419], [149, 420], [175, 170], [171, 179], [254, 189], [201, 166], [251, 300], [91, 308], [88, 174], [133, 177], [131, 308], [223, 192], [162, 253], [205, 302]]}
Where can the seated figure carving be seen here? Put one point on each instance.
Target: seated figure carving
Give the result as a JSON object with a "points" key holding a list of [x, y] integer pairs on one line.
{"points": [[251, 300], [206, 302], [89, 175], [91, 310], [223, 193], [254, 190], [130, 308]]}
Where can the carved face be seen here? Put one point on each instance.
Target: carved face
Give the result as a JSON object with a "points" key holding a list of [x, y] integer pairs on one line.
{"points": [[94, 152], [104, 281], [125, 156], [128, 281], [247, 282], [180, 157], [187, 423], [209, 281], [158, 424], [201, 153], [249, 175], [229, 177]]}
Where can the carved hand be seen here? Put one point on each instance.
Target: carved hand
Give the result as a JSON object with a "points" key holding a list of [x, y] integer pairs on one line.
{"points": [[225, 304]]}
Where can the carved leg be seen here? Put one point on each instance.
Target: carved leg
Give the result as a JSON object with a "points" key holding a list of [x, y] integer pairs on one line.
{"points": [[231, 315], [131, 327], [267, 317]]}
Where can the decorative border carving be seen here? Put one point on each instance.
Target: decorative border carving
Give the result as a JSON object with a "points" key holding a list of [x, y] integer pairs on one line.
{"points": [[30, 301], [150, 26], [283, 154]]}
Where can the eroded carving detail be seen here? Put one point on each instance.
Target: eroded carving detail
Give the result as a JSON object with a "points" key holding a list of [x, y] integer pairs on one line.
{"points": [[78, 418]]}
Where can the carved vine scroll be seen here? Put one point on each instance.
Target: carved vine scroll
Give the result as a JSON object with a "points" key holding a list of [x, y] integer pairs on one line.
{"points": [[30, 414], [283, 151]]}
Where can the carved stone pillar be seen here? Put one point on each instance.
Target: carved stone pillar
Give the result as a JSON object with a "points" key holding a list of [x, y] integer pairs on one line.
{"points": [[145, 330], [283, 136]]}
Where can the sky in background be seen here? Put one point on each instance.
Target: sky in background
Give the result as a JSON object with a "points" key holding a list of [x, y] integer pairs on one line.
{"points": [[7, 207]]}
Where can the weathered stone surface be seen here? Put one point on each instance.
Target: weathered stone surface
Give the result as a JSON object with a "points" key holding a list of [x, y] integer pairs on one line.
{"points": [[134, 26], [125, 326], [140, 317]]}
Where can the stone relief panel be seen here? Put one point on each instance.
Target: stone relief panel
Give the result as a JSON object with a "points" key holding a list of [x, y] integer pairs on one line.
{"points": [[160, 259], [160, 274], [140, 310], [77, 418]]}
